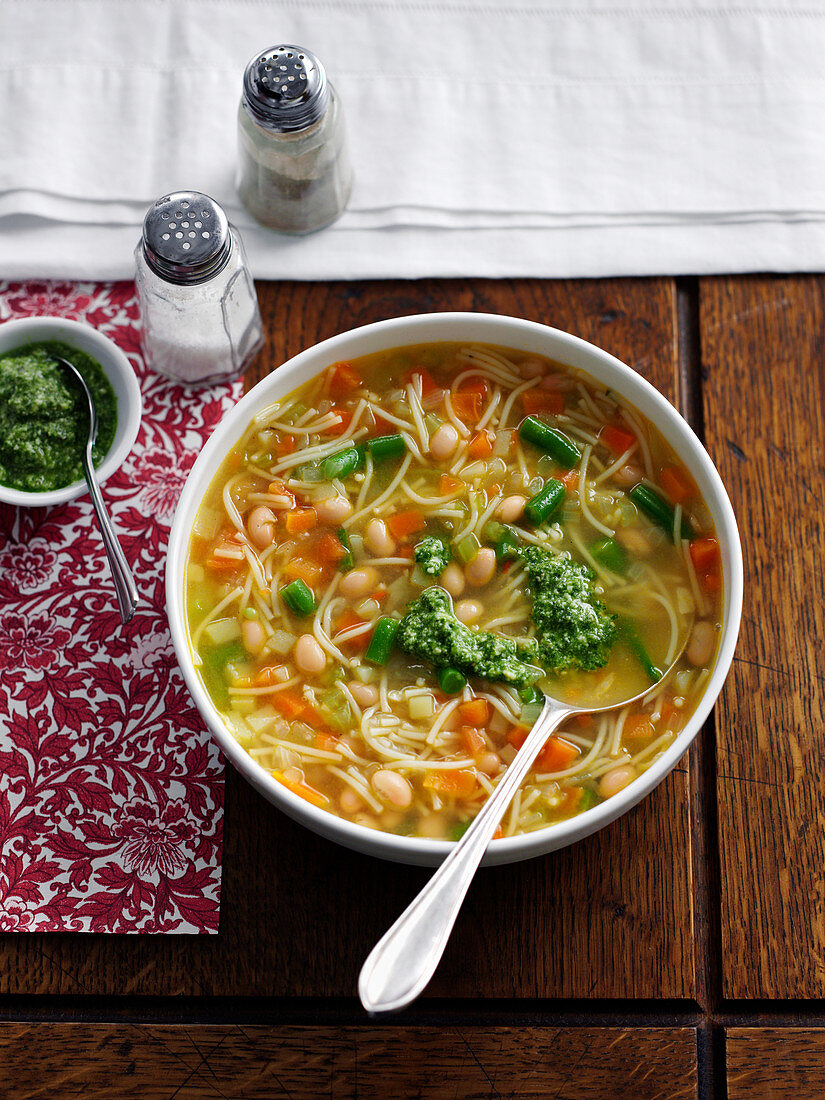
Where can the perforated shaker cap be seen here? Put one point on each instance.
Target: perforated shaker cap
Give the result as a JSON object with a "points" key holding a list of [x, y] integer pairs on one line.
{"points": [[186, 237], [285, 89]]}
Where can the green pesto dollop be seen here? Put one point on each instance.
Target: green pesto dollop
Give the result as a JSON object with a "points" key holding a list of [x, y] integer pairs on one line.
{"points": [[44, 417], [431, 631], [574, 630], [433, 554]]}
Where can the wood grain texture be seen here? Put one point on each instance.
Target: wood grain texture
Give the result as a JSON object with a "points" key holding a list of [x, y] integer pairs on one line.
{"points": [[157, 1062], [762, 353], [786, 1063], [609, 918]]}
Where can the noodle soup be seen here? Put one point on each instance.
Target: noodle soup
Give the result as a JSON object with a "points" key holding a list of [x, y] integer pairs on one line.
{"points": [[401, 556]]}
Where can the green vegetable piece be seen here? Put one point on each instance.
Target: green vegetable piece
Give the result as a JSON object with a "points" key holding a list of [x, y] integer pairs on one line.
{"points": [[250, 613], [433, 554], [347, 561], [550, 440], [657, 508], [543, 506], [531, 695], [530, 713], [382, 641], [342, 463], [458, 829], [467, 550], [610, 554], [298, 597], [451, 680], [636, 646], [588, 799], [574, 628], [386, 446], [430, 631], [508, 545]]}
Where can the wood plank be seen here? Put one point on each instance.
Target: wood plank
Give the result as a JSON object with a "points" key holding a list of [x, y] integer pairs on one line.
{"points": [[154, 1062], [299, 914], [762, 360], [780, 1063]]}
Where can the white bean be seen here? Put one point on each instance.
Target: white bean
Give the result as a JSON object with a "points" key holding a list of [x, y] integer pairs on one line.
{"points": [[699, 649], [309, 657], [480, 570], [358, 582], [349, 801], [333, 510], [261, 526], [616, 780], [253, 636], [489, 763], [511, 508], [452, 579], [393, 788], [365, 695], [634, 540], [378, 539], [443, 442], [468, 611], [628, 476]]}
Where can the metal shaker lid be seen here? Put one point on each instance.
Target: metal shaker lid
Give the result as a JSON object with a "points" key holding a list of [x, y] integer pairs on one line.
{"points": [[285, 89], [186, 237]]}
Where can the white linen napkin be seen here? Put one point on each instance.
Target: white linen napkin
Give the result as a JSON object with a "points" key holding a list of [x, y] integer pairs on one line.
{"points": [[545, 137]]}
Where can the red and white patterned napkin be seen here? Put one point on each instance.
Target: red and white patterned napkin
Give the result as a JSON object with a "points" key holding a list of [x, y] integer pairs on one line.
{"points": [[111, 790]]}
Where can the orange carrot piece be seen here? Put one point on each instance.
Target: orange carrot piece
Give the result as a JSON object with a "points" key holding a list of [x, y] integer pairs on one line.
{"points": [[616, 439], [517, 736], [428, 385], [472, 740], [403, 524], [299, 520], [704, 553], [344, 418], [481, 444], [329, 548], [344, 378], [476, 712], [570, 480], [556, 755], [303, 790], [542, 401], [284, 445], [289, 703], [449, 485], [326, 741], [301, 569], [458, 784], [223, 565], [677, 484], [637, 727], [467, 406]]}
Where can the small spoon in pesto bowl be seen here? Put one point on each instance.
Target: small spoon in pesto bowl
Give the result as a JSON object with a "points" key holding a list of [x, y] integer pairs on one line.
{"points": [[125, 587], [405, 958]]}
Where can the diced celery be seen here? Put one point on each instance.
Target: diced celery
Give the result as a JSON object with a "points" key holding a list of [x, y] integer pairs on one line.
{"points": [[467, 550]]}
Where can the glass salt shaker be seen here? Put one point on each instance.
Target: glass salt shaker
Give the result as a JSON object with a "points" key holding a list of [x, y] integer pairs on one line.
{"points": [[199, 310], [294, 173]]}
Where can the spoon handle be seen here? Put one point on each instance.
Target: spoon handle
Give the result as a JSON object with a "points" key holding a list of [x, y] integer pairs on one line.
{"points": [[405, 958], [125, 587]]}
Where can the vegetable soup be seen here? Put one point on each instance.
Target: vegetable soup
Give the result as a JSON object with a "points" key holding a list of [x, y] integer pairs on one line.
{"points": [[399, 558]]}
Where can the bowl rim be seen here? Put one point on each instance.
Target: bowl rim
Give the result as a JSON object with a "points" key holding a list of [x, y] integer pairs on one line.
{"points": [[504, 331], [114, 363]]}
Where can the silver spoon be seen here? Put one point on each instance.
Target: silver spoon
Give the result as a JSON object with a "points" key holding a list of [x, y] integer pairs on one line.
{"points": [[405, 958], [125, 587]]}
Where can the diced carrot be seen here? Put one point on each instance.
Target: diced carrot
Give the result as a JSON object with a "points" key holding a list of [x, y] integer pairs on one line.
{"points": [[299, 520], [267, 675], [344, 419], [481, 444], [279, 489], [667, 711], [637, 727], [571, 799], [344, 378], [302, 789], [459, 784], [704, 553], [616, 439], [301, 569], [289, 703], [427, 383], [326, 741], [542, 401], [499, 833], [379, 595], [475, 385], [329, 548], [711, 581], [677, 484], [235, 460], [492, 490], [582, 720], [556, 755], [467, 406], [570, 480], [473, 742], [223, 565], [284, 445], [380, 425], [476, 712], [449, 485], [346, 622], [403, 524], [517, 736], [404, 552]]}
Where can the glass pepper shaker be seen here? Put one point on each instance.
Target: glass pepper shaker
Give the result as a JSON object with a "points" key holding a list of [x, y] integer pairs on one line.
{"points": [[199, 310], [294, 173]]}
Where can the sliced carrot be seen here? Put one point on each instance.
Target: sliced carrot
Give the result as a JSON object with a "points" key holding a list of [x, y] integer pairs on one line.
{"points": [[467, 406], [582, 720], [346, 622], [616, 439], [344, 378], [344, 420], [299, 520], [403, 524], [677, 484], [404, 552], [301, 569], [481, 444], [326, 741], [329, 548], [284, 445], [476, 385], [571, 799], [449, 485], [458, 784], [303, 790], [570, 480], [637, 727], [289, 703], [476, 712], [542, 401], [472, 740], [499, 833], [267, 675], [704, 553], [427, 383], [517, 736], [556, 755], [711, 581]]}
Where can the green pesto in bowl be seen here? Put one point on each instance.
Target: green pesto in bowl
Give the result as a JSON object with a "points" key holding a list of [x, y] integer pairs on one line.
{"points": [[44, 418]]}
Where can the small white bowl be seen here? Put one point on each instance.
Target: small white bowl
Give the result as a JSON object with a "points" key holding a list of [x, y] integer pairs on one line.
{"points": [[116, 367], [508, 332]]}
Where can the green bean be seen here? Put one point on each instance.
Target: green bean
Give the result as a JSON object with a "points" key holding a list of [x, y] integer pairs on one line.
{"points": [[346, 562], [550, 440], [658, 509], [547, 501], [299, 597], [383, 638], [504, 539], [386, 446], [341, 463], [610, 554], [451, 680], [636, 646]]}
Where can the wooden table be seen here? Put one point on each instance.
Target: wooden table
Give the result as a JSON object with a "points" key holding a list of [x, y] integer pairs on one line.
{"points": [[678, 953]]}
